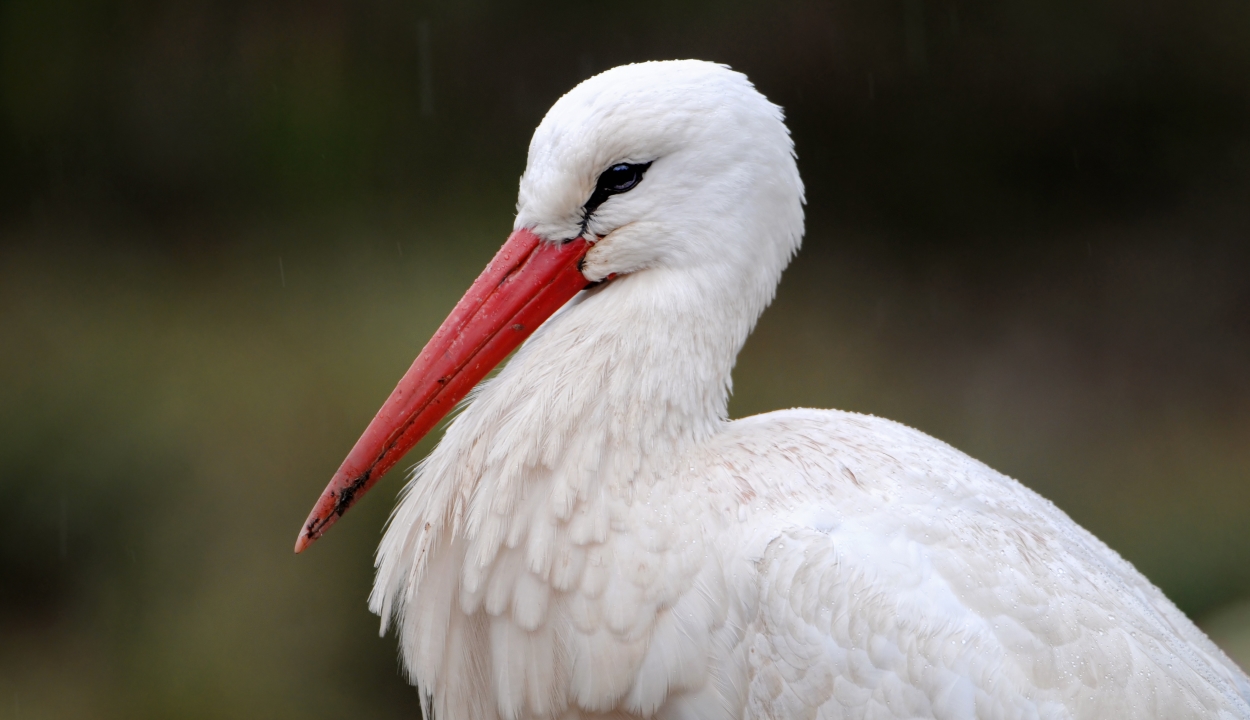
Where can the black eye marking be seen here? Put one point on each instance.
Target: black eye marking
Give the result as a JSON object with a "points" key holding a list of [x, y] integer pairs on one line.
{"points": [[620, 178]]}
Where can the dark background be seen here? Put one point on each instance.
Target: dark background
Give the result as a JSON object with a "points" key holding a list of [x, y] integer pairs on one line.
{"points": [[227, 228]]}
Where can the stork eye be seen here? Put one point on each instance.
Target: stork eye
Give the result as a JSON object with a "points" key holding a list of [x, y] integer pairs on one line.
{"points": [[617, 179]]}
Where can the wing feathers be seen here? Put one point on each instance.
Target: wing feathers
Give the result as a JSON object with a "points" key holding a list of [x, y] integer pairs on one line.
{"points": [[799, 565]]}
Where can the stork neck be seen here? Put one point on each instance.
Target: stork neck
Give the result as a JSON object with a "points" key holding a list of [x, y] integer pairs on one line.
{"points": [[639, 369]]}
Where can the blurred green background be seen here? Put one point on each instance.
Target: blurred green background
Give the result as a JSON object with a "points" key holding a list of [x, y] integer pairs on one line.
{"points": [[228, 227]]}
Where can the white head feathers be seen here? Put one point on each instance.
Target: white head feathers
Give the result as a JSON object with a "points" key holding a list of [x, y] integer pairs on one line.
{"points": [[722, 185]]}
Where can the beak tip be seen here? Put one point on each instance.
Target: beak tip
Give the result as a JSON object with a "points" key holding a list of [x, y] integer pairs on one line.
{"points": [[307, 536], [321, 518]]}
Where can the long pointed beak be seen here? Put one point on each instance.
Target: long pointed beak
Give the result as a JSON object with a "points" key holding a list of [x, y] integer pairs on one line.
{"points": [[525, 283]]}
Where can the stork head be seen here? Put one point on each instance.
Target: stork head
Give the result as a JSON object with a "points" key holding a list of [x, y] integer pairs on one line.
{"points": [[678, 164], [679, 167]]}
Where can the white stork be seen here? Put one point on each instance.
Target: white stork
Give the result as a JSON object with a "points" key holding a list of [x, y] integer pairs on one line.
{"points": [[594, 537]]}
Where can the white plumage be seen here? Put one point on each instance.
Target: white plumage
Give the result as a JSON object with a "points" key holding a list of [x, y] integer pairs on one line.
{"points": [[593, 536]]}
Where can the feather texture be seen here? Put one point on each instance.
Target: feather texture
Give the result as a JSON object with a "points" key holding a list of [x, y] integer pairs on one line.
{"points": [[594, 538]]}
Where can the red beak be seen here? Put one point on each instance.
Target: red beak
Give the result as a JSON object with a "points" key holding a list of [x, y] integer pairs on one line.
{"points": [[526, 282]]}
